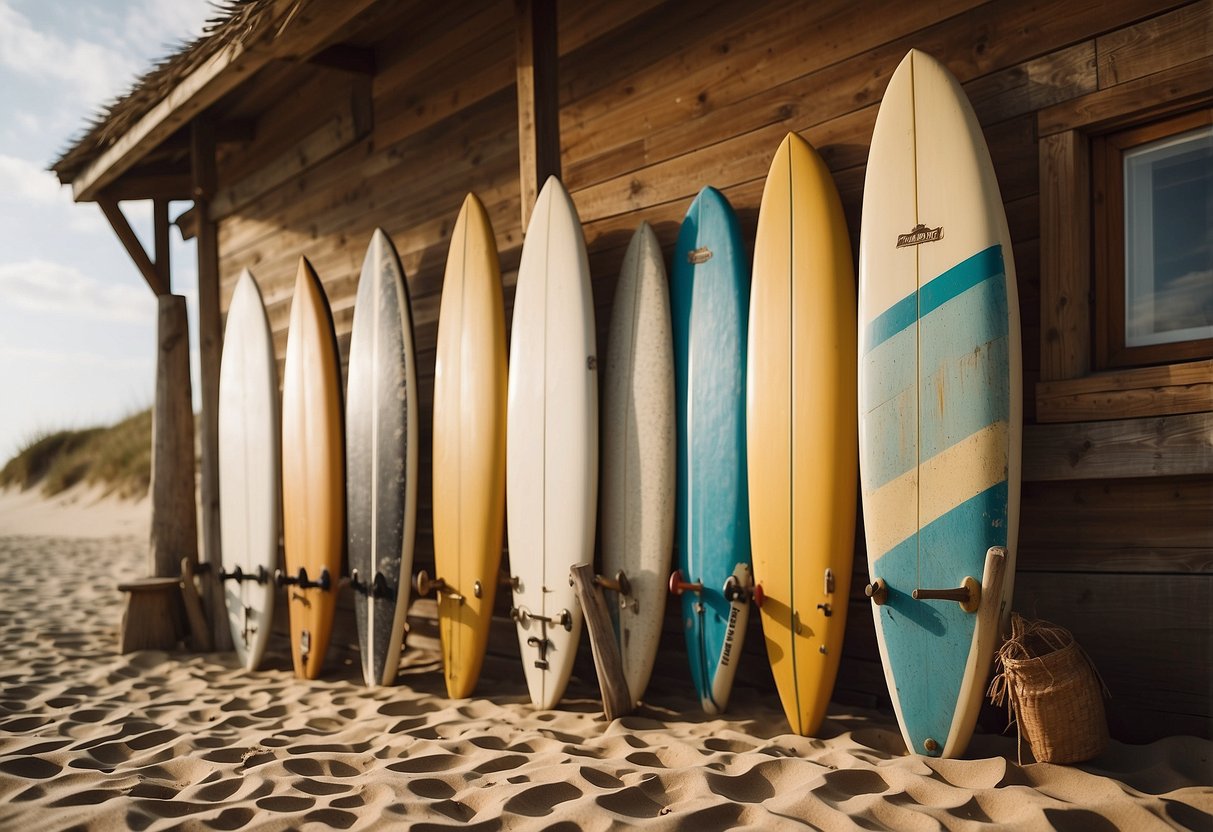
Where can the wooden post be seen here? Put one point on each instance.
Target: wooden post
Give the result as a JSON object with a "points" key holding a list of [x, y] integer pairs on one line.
{"points": [[538, 99], [210, 345], [616, 699], [174, 532]]}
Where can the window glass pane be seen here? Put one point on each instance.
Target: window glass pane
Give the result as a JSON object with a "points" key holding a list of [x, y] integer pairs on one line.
{"points": [[1169, 239]]}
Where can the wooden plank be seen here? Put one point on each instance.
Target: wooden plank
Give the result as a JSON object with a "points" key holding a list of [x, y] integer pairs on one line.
{"points": [[187, 223], [1146, 391], [1150, 639], [1163, 92], [821, 82], [1065, 256], [346, 126], [1029, 86], [1156, 44], [280, 34], [617, 700], [1080, 557], [210, 348], [538, 105], [1156, 447], [130, 241], [1155, 513]]}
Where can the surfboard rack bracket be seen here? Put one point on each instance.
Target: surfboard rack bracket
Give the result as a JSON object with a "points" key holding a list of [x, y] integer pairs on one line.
{"points": [[240, 576], [679, 586], [378, 588], [425, 584], [564, 618], [968, 594], [325, 583], [878, 591], [619, 583]]}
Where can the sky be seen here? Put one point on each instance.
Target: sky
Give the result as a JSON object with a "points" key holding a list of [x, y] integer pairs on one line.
{"points": [[77, 320]]}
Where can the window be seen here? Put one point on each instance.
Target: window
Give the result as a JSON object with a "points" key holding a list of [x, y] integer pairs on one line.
{"points": [[1153, 187]]}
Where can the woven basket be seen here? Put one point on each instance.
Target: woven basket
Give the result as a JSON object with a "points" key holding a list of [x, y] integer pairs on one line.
{"points": [[1052, 691]]}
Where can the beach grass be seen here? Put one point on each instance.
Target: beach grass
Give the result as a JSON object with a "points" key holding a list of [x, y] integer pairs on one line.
{"points": [[117, 458]]}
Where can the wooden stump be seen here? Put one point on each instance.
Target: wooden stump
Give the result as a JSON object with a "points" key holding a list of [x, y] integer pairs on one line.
{"points": [[151, 619]]}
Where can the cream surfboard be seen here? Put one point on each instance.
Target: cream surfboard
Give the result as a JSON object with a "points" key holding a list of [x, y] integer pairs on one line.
{"points": [[313, 473], [800, 428], [940, 388], [638, 460], [381, 459], [250, 510], [469, 446], [551, 440]]}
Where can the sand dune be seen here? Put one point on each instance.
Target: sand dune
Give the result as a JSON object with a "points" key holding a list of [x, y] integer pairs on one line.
{"points": [[158, 740]]}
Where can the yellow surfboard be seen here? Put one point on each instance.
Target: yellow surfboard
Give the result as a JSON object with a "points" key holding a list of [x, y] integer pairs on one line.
{"points": [[801, 428], [313, 473], [469, 446]]}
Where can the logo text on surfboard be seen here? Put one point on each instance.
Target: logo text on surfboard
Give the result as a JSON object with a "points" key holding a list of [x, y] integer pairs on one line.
{"points": [[918, 235]]}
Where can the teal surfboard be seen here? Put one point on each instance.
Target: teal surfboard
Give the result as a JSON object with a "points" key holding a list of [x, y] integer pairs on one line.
{"points": [[710, 298]]}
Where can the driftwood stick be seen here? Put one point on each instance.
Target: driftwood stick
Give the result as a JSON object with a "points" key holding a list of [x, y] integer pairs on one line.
{"points": [[616, 700], [200, 633]]}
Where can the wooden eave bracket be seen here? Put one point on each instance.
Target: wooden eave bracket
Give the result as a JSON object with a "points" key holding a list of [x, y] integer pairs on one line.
{"points": [[117, 220]]}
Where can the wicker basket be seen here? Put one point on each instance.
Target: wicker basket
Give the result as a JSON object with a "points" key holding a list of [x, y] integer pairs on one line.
{"points": [[1052, 691]]}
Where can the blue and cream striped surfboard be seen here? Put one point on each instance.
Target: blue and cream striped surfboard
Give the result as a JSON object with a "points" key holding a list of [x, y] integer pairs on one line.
{"points": [[940, 391]]}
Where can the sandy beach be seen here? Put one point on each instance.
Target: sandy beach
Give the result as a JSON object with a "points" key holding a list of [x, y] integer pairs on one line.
{"points": [[93, 740]]}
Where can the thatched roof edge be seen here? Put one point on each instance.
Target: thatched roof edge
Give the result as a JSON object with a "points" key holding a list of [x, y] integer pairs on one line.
{"points": [[235, 21]]}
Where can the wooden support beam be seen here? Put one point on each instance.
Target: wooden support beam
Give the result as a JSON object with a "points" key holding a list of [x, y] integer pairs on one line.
{"points": [[355, 59], [161, 226], [538, 100], [134, 248], [210, 345], [151, 186], [1065, 257], [174, 526], [281, 34]]}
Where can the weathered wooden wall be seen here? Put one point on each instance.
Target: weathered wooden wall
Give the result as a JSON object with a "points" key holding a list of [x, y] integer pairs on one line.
{"points": [[660, 99]]}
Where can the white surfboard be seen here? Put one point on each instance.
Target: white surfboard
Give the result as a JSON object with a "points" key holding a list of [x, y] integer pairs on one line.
{"points": [[249, 497], [638, 461], [551, 440]]}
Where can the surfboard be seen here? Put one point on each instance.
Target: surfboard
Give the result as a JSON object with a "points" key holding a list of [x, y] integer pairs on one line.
{"points": [[250, 511], [313, 473], [940, 387], [469, 446], [709, 298], [638, 442], [381, 459], [551, 440], [802, 445]]}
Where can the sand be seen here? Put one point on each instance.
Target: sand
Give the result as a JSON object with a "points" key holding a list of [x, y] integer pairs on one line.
{"points": [[158, 740]]}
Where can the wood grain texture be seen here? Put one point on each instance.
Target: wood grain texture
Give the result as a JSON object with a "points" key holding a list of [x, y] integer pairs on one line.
{"points": [[1155, 44], [1158, 447], [1065, 261]]}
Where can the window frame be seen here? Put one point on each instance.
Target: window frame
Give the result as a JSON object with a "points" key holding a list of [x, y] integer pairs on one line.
{"points": [[1107, 174]]}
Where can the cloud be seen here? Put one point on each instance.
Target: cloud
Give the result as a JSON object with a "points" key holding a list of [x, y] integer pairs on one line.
{"points": [[42, 286], [93, 71], [27, 181]]}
